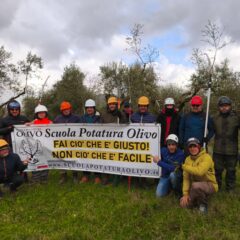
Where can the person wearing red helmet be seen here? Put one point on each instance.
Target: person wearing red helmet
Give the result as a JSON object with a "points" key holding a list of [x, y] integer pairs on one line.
{"points": [[192, 124]]}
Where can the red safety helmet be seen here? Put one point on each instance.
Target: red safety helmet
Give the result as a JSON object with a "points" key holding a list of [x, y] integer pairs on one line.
{"points": [[196, 100]]}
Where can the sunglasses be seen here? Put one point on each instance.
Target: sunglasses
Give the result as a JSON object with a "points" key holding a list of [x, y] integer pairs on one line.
{"points": [[14, 109], [195, 105]]}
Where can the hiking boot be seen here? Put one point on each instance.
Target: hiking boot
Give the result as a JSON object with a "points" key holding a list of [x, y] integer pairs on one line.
{"points": [[63, 179], [84, 179], [105, 181], [97, 180], [203, 208]]}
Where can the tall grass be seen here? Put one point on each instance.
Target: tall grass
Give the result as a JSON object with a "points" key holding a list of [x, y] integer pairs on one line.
{"points": [[88, 211]]}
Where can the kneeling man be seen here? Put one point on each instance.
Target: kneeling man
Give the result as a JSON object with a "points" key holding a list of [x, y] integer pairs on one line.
{"points": [[199, 180]]}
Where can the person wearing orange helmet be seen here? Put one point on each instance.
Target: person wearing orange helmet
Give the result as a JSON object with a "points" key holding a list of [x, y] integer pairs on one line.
{"points": [[192, 124], [10, 165], [67, 116]]}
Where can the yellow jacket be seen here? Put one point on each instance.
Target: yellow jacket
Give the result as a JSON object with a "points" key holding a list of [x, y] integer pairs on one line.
{"points": [[199, 169]]}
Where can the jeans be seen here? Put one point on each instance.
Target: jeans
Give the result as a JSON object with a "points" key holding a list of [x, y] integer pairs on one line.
{"points": [[174, 181]]}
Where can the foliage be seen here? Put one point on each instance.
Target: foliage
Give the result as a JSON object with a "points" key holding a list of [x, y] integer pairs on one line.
{"points": [[129, 82], [69, 88], [7, 71], [12, 74]]}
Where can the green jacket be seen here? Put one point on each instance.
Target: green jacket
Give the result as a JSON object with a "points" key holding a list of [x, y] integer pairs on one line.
{"points": [[226, 133], [113, 117]]}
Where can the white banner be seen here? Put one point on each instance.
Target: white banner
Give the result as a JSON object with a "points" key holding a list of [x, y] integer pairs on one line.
{"points": [[107, 148]]}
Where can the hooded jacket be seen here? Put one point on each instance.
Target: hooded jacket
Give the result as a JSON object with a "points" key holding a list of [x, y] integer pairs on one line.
{"points": [[71, 118], [169, 121], [198, 169], [192, 125], [170, 161], [9, 166], [226, 133], [90, 119], [6, 124], [42, 121], [113, 117]]}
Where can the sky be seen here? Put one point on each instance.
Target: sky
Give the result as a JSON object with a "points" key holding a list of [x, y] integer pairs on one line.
{"points": [[92, 33]]}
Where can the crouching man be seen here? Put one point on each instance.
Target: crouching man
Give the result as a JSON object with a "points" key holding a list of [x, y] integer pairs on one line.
{"points": [[171, 159], [199, 180], [10, 165]]}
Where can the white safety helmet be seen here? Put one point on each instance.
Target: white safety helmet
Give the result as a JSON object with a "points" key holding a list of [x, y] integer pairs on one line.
{"points": [[40, 108], [90, 103], [172, 138], [169, 101]]}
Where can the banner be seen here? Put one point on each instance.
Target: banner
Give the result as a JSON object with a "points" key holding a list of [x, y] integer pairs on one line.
{"points": [[107, 148]]}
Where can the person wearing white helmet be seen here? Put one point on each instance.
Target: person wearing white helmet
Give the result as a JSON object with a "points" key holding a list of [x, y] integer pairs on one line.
{"points": [[41, 117], [169, 120], [171, 160], [90, 117], [41, 114]]}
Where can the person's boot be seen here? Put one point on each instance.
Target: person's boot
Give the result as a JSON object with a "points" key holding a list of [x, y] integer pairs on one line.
{"points": [[203, 208], [1, 194], [84, 179], [63, 178], [97, 180]]}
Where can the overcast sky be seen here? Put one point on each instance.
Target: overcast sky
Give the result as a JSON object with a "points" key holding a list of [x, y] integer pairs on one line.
{"points": [[93, 32]]}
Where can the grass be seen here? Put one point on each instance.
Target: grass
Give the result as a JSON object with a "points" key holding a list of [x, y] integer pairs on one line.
{"points": [[88, 211]]}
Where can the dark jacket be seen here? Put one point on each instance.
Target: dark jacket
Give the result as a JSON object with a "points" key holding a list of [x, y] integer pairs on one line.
{"points": [[6, 125], [112, 117], [226, 133], [169, 161], [72, 118], [146, 117], [89, 119], [9, 166], [174, 121], [192, 125]]}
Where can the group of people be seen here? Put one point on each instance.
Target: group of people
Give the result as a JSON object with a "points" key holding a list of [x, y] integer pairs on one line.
{"points": [[186, 167]]}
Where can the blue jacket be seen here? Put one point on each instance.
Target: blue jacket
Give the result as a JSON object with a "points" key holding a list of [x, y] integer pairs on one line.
{"points": [[9, 166], [89, 119], [66, 119], [192, 125], [169, 161], [147, 117]]}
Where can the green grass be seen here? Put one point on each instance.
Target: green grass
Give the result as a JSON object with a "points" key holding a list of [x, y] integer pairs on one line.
{"points": [[87, 211]]}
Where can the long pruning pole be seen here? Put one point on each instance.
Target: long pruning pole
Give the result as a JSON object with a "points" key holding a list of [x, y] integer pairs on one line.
{"points": [[207, 111]]}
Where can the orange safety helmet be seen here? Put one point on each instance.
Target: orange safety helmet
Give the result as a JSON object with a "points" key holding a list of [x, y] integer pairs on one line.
{"points": [[3, 143], [65, 105]]}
